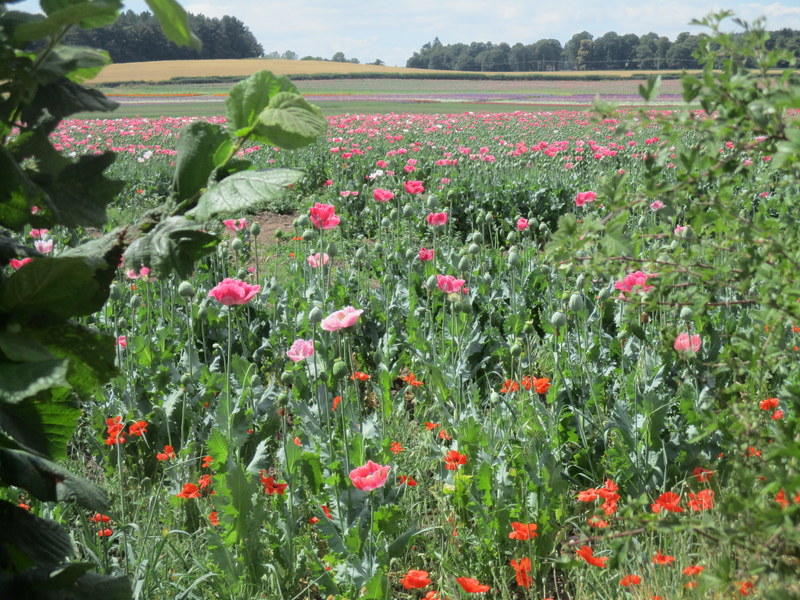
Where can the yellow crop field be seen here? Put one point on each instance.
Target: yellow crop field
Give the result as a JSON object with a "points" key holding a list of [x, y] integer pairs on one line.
{"points": [[165, 70]]}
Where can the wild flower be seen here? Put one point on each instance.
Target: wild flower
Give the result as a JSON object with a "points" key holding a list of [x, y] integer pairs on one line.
{"points": [[370, 476], [341, 319], [233, 292]]}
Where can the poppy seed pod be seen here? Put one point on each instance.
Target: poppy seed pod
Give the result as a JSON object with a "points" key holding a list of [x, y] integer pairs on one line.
{"points": [[339, 369], [186, 290], [477, 237], [558, 319], [687, 314], [302, 221], [576, 303], [115, 292], [255, 229], [237, 244], [309, 234], [315, 316], [333, 250]]}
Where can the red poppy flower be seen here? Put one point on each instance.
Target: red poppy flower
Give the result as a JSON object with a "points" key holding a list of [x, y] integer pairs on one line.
{"points": [[168, 453], [668, 501], [663, 559], [589, 495], [746, 587], [396, 447], [359, 375], [780, 498], [190, 490], [702, 500], [429, 426], [327, 511], [522, 531], [105, 532], [204, 481], [701, 474], [769, 404], [115, 429], [541, 385], [139, 428], [407, 480], [597, 522], [693, 570], [415, 579], [411, 380], [509, 386], [587, 554], [521, 569], [213, 518], [454, 459], [335, 403], [472, 586], [630, 580], [100, 518], [207, 460]]}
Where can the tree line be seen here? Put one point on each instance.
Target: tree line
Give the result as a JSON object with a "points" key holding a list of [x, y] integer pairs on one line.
{"points": [[137, 37], [583, 52]]}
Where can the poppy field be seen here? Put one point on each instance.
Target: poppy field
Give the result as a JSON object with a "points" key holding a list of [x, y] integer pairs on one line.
{"points": [[493, 355]]}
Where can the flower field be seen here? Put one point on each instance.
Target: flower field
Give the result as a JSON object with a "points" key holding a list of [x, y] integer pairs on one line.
{"points": [[508, 355]]}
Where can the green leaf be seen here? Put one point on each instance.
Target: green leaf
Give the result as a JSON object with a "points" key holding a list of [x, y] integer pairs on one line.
{"points": [[17, 194], [197, 157], [64, 14], [72, 62], [244, 191], [43, 424], [248, 98], [58, 287], [289, 121], [18, 383], [378, 586], [174, 22], [40, 540], [48, 481], [175, 244]]}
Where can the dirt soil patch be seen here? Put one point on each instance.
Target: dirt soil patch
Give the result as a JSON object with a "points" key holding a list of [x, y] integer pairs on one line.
{"points": [[270, 223]]}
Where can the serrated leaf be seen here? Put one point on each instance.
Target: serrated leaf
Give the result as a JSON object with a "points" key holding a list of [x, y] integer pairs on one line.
{"points": [[40, 540], [48, 481], [197, 150], [174, 22], [43, 424], [58, 287], [248, 98], [244, 191], [18, 383], [289, 121]]}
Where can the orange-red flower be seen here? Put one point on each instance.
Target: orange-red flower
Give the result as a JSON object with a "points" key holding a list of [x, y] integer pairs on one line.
{"points": [[213, 518], [669, 501], [415, 579], [663, 559], [702, 500], [407, 480], [207, 460], [587, 554], [429, 426], [396, 447], [746, 587], [693, 570], [630, 580], [411, 380], [139, 428], [335, 403], [270, 487], [204, 481], [781, 499], [701, 474], [523, 531], [359, 375], [454, 459], [509, 386], [190, 490], [597, 522], [472, 586], [115, 429], [541, 385], [521, 568], [443, 435], [769, 404], [169, 452]]}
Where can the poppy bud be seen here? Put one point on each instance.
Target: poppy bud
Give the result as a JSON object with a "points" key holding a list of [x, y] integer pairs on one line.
{"points": [[115, 292], [237, 244], [135, 301], [186, 290], [333, 250], [511, 237], [315, 316], [410, 255], [576, 303], [339, 369], [687, 314], [432, 283], [386, 223], [379, 248], [474, 248], [287, 378], [361, 254], [477, 237], [558, 319], [408, 210], [513, 259], [463, 264], [186, 379], [309, 234], [255, 229], [303, 221]]}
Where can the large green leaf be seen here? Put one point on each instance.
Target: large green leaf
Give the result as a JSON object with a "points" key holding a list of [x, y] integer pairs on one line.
{"points": [[17, 194], [196, 150], [248, 98], [174, 22], [43, 424], [39, 540], [245, 190], [68, 582], [58, 287], [62, 14], [65, 60], [173, 245], [289, 121], [48, 481], [18, 382]]}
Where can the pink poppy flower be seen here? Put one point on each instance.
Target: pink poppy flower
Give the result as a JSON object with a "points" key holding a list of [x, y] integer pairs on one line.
{"points": [[382, 195], [679, 229], [39, 233], [17, 264], [235, 225], [449, 284], [657, 205], [233, 292], [318, 259], [322, 216], [686, 343], [43, 246], [522, 224], [301, 349], [143, 273], [370, 476], [413, 187], [583, 197], [425, 254], [122, 341], [341, 319], [634, 282], [436, 219]]}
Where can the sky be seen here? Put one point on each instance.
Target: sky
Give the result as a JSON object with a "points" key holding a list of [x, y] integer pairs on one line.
{"points": [[392, 30]]}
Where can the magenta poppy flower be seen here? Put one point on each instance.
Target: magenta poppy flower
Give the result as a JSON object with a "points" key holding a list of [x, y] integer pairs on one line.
{"points": [[413, 187], [425, 254], [522, 224], [634, 282], [584, 197], [17, 264], [382, 195], [449, 284], [370, 476], [436, 219], [322, 216], [686, 343], [233, 292], [341, 319], [301, 349]]}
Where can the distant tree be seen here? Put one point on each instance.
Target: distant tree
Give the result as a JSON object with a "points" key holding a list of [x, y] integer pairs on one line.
{"points": [[573, 45], [272, 55], [289, 55], [377, 62], [550, 53], [338, 57], [585, 58], [680, 54], [355, 61]]}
